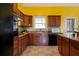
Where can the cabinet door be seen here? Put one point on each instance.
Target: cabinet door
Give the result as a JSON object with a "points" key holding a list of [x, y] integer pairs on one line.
{"points": [[74, 48], [16, 46], [51, 21], [30, 38], [21, 15], [26, 20], [36, 38], [30, 20], [20, 45], [65, 46], [59, 42], [58, 21], [54, 21], [23, 43], [15, 9], [26, 40]]}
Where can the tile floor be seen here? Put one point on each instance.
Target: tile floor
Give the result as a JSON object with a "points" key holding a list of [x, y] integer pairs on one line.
{"points": [[41, 51]]}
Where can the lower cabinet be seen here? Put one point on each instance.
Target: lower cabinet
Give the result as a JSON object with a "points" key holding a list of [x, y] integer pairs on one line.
{"points": [[59, 44], [30, 38], [16, 46], [39, 38], [74, 48], [67, 46], [36, 38], [20, 43], [63, 45]]}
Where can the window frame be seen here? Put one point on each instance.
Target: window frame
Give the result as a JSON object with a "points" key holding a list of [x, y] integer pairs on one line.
{"points": [[40, 23]]}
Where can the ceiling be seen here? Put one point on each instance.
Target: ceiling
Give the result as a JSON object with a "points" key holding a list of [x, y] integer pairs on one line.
{"points": [[48, 4]]}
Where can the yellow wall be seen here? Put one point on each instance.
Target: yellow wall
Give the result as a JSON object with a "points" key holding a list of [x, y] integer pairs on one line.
{"points": [[64, 11]]}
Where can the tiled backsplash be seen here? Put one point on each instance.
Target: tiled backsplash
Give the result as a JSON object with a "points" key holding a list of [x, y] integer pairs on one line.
{"points": [[56, 30], [53, 29]]}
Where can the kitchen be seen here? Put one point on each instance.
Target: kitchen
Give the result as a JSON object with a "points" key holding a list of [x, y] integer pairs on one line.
{"points": [[45, 27]]}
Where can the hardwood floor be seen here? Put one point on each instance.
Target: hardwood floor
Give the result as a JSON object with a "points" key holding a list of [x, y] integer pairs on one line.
{"points": [[41, 51]]}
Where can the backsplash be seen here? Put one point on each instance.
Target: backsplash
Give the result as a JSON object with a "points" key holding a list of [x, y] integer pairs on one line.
{"points": [[56, 30]]}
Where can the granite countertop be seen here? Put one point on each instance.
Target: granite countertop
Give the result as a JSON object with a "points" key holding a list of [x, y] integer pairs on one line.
{"points": [[76, 38], [23, 34]]}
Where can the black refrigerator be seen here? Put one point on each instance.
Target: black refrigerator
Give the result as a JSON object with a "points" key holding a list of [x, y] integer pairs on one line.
{"points": [[6, 29]]}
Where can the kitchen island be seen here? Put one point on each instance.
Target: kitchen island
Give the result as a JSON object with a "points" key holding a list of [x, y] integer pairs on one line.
{"points": [[68, 45]]}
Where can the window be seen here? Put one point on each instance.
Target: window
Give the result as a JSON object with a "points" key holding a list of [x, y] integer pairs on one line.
{"points": [[70, 24], [39, 22]]}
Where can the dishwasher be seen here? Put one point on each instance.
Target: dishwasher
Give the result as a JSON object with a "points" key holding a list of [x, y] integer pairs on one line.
{"points": [[52, 41]]}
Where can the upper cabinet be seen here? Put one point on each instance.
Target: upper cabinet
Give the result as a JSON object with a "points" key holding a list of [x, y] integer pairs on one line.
{"points": [[28, 20], [54, 21], [17, 12], [15, 9], [21, 15]]}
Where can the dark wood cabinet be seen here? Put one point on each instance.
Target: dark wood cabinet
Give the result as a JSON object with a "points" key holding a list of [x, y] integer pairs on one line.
{"points": [[54, 21], [59, 43], [16, 46], [28, 20], [15, 9], [68, 46], [39, 38], [21, 15], [63, 45], [30, 38], [23, 42], [20, 43], [74, 48], [17, 12], [36, 38]]}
